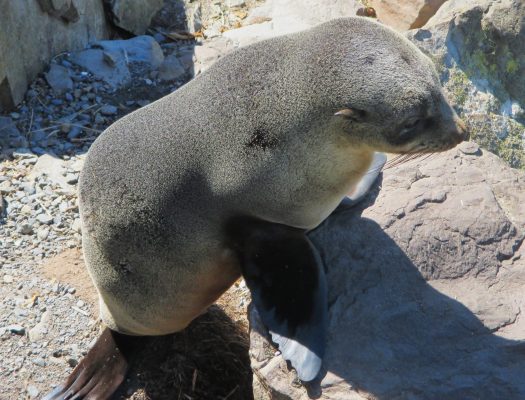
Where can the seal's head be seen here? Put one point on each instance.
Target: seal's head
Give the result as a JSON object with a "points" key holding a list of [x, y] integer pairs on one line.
{"points": [[386, 93]]}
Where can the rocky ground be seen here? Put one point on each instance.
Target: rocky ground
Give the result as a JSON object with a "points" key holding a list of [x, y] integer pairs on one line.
{"points": [[48, 312]]}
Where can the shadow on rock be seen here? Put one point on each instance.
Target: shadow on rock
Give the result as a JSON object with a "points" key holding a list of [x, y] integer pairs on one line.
{"points": [[394, 336]]}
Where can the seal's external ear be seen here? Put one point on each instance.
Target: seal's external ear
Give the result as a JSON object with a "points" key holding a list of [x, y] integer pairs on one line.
{"points": [[353, 114], [286, 279]]}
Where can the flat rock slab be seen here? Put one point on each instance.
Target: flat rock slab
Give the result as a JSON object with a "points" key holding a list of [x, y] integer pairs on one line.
{"points": [[426, 287]]}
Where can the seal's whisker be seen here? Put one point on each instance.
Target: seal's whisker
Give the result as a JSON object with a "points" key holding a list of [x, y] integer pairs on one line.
{"points": [[395, 161], [403, 159], [396, 158], [400, 160]]}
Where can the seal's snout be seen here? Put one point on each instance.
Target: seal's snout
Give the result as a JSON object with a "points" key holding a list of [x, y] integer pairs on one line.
{"points": [[463, 133]]}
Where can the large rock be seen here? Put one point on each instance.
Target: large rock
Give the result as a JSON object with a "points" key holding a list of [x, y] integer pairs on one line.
{"points": [[426, 286], [405, 14], [133, 16], [287, 16], [479, 48], [113, 61], [32, 32]]}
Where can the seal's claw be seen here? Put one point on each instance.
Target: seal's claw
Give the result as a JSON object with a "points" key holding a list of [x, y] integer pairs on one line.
{"points": [[100, 373]]}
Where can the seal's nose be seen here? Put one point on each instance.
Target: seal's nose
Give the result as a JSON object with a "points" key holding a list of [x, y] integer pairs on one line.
{"points": [[462, 129]]}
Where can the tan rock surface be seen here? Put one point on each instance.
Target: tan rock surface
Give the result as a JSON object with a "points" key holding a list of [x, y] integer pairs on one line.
{"points": [[405, 14]]}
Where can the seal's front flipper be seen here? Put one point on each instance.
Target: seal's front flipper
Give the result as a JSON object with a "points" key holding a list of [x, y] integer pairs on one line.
{"points": [[287, 282], [100, 372], [367, 180]]}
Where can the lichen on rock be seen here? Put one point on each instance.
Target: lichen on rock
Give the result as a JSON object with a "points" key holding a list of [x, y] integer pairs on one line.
{"points": [[479, 50]]}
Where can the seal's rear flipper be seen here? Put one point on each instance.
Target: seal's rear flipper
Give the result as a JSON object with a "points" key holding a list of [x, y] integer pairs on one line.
{"points": [[367, 181], [287, 282], [100, 372]]}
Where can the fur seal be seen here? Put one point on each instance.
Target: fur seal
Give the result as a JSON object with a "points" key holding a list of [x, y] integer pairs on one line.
{"points": [[226, 175]]}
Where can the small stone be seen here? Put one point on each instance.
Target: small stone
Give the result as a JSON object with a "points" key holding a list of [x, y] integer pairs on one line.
{"points": [[109, 59], [42, 233], [77, 225], [72, 362], [8, 279], [26, 210], [65, 128], [23, 153], [71, 290], [45, 219], [26, 229], [32, 391], [6, 187], [108, 110], [235, 3], [469, 148], [75, 132], [37, 332], [99, 119], [71, 179], [17, 329], [80, 304], [171, 69], [39, 361], [58, 78]]}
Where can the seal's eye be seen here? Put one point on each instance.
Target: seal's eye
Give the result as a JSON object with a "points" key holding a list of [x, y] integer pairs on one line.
{"points": [[409, 128], [411, 124]]}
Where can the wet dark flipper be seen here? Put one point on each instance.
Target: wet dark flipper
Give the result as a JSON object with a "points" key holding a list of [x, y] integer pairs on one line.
{"points": [[285, 276], [100, 372]]}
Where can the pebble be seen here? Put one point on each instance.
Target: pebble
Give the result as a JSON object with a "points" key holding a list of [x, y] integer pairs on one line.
{"points": [[8, 279], [77, 225], [42, 233], [44, 219], [23, 153], [469, 148], [27, 210], [72, 179], [32, 391], [37, 333], [73, 362], [99, 119], [39, 361], [108, 110], [25, 229], [75, 132], [17, 329]]}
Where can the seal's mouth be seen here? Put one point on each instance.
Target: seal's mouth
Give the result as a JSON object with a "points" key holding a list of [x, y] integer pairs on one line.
{"points": [[425, 151]]}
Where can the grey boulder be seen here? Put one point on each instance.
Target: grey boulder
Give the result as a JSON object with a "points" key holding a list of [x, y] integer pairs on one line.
{"points": [[115, 61], [133, 15]]}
